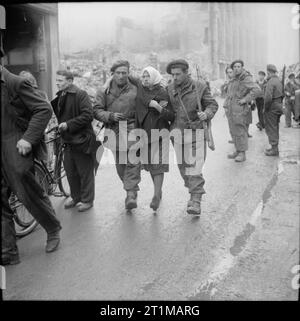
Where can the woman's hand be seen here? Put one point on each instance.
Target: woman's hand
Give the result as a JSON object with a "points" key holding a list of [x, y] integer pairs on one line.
{"points": [[156, 105]]}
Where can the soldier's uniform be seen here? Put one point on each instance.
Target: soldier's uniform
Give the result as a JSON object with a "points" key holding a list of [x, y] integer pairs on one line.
{"points": [[240, 87], [289, 90], [184, 102], [273, 109]]}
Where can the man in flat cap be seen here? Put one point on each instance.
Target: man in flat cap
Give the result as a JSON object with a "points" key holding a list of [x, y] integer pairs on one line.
{"points": [[242, 90], [184, 94], [289, 92], [273, 109], [115, 106]]}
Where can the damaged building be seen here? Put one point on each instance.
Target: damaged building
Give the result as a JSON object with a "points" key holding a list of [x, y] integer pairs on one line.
{"points": [[208, 34]]}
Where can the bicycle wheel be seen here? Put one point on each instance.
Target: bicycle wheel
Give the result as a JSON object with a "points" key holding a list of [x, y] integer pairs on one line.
{"points": [[25, 223], [63, 183]]}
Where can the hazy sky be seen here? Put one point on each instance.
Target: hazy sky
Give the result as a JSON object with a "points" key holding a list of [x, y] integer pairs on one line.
{"points": [[83, 25]]}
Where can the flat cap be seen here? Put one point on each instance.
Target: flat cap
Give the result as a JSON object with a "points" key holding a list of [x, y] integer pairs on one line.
{"points": [[178, 63], [119, 63], [271, 67]]}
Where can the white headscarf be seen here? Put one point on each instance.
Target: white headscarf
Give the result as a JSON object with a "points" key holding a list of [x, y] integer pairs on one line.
{"points": [[155, 76]]}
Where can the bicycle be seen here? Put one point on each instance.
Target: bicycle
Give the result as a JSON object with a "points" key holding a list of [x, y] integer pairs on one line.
{"points": [[49, 176]]}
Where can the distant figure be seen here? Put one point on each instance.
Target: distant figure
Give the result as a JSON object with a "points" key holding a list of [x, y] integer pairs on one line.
{"points": [[261, 81], [289, 91], [273, 109], [224, 91]]}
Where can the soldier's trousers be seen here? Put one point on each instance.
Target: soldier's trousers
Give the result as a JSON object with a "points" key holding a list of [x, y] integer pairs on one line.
{"points": [[272, 119], [130, 174], [191, 171], [80, 170], [260, 111], [18, 177], [289, 110], [239, 130]]}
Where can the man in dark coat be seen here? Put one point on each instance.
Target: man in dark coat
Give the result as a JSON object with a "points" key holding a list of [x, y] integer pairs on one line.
{"points": [[183, 93], [115, 107], [273, 109], [74, 113], [24, 116], [261, 81]]}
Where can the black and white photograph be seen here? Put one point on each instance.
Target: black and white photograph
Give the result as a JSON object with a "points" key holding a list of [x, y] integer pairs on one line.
{"points": [[150, 152]]}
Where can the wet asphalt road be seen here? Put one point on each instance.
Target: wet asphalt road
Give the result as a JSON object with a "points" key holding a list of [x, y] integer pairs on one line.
{"points": [[108, 254]]}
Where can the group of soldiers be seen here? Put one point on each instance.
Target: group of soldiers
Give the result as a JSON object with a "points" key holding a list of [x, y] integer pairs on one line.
{"points": [[138, 103], [242, 94]]}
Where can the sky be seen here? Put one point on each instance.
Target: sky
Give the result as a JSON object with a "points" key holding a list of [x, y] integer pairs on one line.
{"points": [[82, 25]]}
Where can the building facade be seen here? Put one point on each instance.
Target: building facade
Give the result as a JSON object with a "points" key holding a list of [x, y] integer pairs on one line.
{"points": [[30, 42]]}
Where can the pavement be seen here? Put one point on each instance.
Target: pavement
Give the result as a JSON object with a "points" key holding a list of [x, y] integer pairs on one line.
{"points": [[244, 246]]}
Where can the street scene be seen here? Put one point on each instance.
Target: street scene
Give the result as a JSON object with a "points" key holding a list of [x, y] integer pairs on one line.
{"points": [[80, 223]]}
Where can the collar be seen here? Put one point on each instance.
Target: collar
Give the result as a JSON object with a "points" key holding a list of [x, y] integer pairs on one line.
{"points": [[72, 89]]}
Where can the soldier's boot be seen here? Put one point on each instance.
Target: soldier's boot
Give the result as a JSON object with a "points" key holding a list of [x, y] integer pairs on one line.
{"points": [[233, 155], [273, 151], [195, 205], [241, 157], [131, 200], [190, 201]]}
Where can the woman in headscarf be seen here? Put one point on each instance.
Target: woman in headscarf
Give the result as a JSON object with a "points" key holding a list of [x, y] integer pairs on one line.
{"points": [[153, 111]]}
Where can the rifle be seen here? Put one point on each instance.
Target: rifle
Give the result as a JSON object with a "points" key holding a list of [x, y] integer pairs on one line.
{"points": [[206, 123], [283, 77]]}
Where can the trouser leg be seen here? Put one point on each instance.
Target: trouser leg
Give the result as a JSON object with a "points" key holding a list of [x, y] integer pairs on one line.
{"points": [[84, 164], [18, 174], [272, 127], [240, 132], [288, 114], [132, 177], [191, 171], [120, 166], [8, 233], [72, 175]]}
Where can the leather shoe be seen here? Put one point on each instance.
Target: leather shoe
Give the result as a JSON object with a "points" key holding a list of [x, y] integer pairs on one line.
{"points": [[84, 207], [70, 203], [155, 203], [272, 152], [233, 155], [53, 240], [241, 157], [10, 259]]}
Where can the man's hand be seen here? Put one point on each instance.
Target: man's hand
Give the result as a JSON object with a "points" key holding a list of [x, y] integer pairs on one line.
{"points": [[23, 147], [62, 127], [117, 116], [202, 115], [242, 101]]}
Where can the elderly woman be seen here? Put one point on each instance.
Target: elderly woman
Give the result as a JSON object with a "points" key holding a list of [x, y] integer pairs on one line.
{"points": [[154, 112]]}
